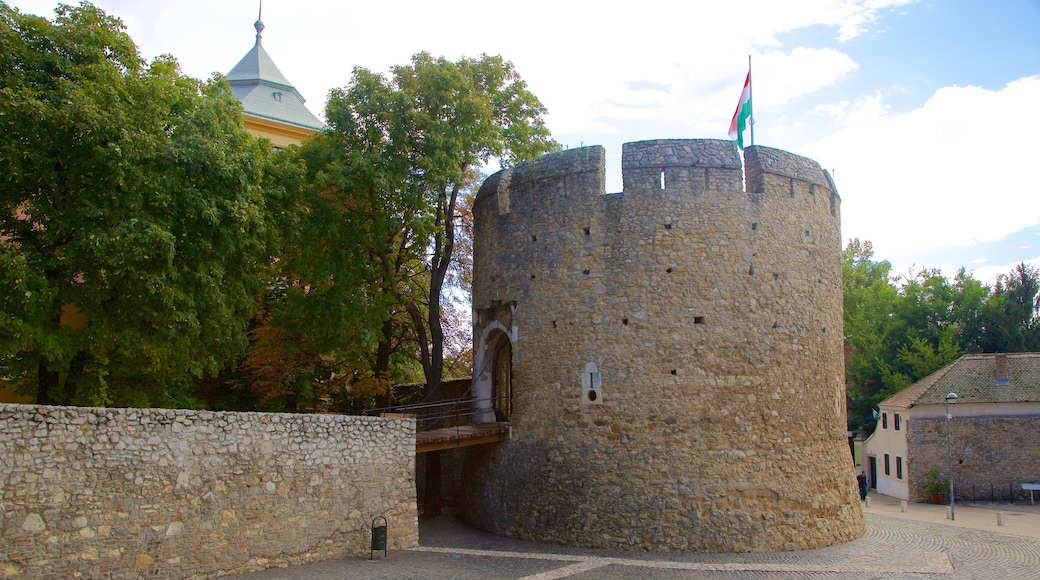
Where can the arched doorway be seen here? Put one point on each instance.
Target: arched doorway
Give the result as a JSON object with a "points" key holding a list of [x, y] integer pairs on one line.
{"points": [[502, 380], [494, 376]]}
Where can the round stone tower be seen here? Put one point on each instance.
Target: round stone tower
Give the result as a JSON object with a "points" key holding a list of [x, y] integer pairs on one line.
{"points": [[669, 357]]}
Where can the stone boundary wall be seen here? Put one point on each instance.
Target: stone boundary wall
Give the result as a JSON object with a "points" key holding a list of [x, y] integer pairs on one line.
{"points": [[124, 493], [1002, 452]]}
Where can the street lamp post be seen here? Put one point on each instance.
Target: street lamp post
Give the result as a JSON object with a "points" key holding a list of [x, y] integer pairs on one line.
{"points": [[949, 453]]}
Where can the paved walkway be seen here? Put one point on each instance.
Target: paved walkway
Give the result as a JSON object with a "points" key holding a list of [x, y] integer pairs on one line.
{"points": [[917, 544], [1019, 519]]}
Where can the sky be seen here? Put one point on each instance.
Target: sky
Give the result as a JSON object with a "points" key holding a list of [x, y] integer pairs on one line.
{"points": [[924, 111]]}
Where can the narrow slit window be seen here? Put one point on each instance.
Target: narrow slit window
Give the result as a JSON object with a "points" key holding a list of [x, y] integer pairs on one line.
{"points": [[662, 179]]}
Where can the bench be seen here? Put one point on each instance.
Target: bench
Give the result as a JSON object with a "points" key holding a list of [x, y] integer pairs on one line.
{"points": [[1031, 487]]}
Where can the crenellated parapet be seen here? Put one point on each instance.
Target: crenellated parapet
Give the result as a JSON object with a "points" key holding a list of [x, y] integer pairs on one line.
{"points": [[662, 167], [669, 357]]}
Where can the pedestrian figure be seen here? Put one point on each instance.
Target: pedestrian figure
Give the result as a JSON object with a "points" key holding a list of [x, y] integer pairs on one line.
{"points": [[861, 479]]}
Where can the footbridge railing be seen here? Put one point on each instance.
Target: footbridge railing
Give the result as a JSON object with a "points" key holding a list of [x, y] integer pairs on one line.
{"points": [[452, 423]]}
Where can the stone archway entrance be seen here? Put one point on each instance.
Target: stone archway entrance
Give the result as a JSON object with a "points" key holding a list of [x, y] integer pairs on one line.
{"points": [[495, 377], [502, 381]]}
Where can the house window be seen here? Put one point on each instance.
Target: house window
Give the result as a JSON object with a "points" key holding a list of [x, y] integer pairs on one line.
{"points": [[899, 466], [888, 466], [897, 421], [884, 420]]}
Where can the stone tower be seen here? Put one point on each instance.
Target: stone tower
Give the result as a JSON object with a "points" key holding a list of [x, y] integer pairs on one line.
{"points": [[670, 357]]}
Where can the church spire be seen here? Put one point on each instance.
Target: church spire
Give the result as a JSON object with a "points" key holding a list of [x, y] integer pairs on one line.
{"points": [[259, 24], [264, 91]]}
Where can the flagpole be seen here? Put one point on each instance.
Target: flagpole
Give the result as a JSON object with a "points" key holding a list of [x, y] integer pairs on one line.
{"points": [[751, 100]]}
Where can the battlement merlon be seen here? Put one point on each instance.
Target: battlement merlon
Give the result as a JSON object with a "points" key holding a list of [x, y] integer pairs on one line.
{"points": [[667, 153], [494, 192], [586, 163], [761, 162], [697, 164]]}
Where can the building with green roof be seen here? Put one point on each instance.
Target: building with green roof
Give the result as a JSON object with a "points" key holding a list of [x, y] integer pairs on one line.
{"points": [[272, 106], [994, 430]]}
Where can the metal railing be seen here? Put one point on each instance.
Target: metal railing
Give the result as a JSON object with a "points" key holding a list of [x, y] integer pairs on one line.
{"points": [[443, 414]]}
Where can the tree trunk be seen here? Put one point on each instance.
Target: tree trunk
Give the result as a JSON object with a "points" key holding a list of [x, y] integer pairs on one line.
{"points": [[433, 360], [383, 351]]}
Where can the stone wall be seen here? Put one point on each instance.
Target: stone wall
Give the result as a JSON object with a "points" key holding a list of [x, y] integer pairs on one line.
{"points": [[998, 453], [123, 493], [708, 321]]}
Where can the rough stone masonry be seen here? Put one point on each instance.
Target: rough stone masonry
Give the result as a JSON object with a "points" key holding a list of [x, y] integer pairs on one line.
{"points": [[676, 377], [124, 493]]}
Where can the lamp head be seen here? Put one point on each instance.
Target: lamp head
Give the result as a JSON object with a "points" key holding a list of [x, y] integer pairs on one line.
{"points": [[952, 397]]}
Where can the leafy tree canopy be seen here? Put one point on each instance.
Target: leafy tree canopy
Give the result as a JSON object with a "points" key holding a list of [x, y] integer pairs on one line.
{"points": [[900, 329], [130, 201], [374, 240], [1010, 320]]}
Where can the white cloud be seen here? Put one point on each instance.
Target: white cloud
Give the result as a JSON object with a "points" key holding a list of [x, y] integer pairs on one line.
{"points": [[698, 98], [767, 18], [855, 113], [988, 274], [799, 72], [579, 57], [957, 164]]}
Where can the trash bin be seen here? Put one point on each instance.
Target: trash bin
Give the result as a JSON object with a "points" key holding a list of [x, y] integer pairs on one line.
{"points": [[378, 536]]}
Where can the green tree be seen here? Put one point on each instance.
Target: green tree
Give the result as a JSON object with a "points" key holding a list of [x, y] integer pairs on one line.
{"points": [[870, 300], [924, 329], [382, 196], [970, 297], [898, 330], [130, 194], [376, 236], [1010, 321]]}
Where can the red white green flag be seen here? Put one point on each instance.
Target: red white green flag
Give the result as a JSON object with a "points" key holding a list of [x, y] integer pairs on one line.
{"points": [[742, 114]]}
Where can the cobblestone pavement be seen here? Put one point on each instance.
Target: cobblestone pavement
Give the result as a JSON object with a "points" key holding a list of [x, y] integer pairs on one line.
{"points": [[893, 548]]}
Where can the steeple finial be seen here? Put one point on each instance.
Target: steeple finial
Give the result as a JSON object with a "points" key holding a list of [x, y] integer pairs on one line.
{"points": [[259, 24]]}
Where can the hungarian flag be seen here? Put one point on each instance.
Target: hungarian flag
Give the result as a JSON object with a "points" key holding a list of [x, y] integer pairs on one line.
{"points": [[742, 114]]}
